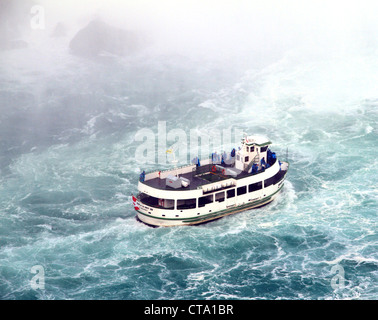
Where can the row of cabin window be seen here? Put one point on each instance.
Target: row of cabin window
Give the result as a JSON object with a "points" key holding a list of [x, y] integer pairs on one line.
{"points": [[220, 196]]}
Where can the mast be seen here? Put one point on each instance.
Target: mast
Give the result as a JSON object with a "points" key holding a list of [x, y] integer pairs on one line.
{"points": [[174, 161]]}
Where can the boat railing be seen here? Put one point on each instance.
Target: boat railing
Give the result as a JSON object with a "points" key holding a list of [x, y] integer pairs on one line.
{"points": [[206, 166], [162, 174], [218, 186]]}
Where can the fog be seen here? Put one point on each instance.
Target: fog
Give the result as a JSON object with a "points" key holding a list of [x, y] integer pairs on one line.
{"points": [[85, 83], [251, 30], [70, 69]]}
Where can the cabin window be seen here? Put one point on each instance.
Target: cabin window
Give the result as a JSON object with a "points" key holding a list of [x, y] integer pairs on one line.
{"points": [[252, 149], [167, 204], [202, 201], [246, 159], [219, 196], [255, 186], [263, 149], [187, 204], [242, 190], [275, 179], [247, 149], [230, 193], [157, 202], [268, 182]]}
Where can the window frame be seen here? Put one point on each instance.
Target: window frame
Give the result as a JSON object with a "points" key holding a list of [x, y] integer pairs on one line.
{"points": [[241, 190], [220, 199], [189, 206], [201, 205], [231, 191], [256, 186]]}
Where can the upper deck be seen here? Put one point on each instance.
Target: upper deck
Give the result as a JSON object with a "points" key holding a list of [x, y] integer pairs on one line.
{"points": [[198, 176], [220, 171]]}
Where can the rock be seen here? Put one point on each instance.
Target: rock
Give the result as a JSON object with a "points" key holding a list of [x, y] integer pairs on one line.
{"points": [[98, 37]]}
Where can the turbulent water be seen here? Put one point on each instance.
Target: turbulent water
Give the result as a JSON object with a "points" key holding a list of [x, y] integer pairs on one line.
{"points": [[68, 167]]}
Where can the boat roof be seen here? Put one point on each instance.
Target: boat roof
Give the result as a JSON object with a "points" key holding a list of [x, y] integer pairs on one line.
{"points": [[196, 180], [256, 140]]}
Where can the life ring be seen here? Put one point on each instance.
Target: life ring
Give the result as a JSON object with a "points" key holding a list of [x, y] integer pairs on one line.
{"points": [[224, 172], [214, 169]]}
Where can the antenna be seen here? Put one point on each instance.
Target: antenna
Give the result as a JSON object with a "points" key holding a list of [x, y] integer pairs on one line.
{"points": [[287, 154]]}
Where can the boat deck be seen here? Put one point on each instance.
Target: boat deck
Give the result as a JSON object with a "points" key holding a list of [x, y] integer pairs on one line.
{"points": [[203, 175]]}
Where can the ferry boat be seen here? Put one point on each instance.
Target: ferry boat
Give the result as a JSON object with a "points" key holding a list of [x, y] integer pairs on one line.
{"points": [[205, 190]]}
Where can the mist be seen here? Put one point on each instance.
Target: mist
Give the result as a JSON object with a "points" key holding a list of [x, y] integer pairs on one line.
{"points": [[251, 30], [83, 83], [71, 69]]}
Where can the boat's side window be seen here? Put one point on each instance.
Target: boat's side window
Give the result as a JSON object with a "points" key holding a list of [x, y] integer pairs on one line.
{"points": [[230, 193], [274, 180], [157, 202], [263, 149], [255, 186], [219, 196], [242, 190], [268, 182], [246, 159], [187, 204], [202, 201], [167, 203]]}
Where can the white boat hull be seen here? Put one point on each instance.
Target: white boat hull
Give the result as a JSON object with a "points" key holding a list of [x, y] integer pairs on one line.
{"points": [[206, 216]]}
